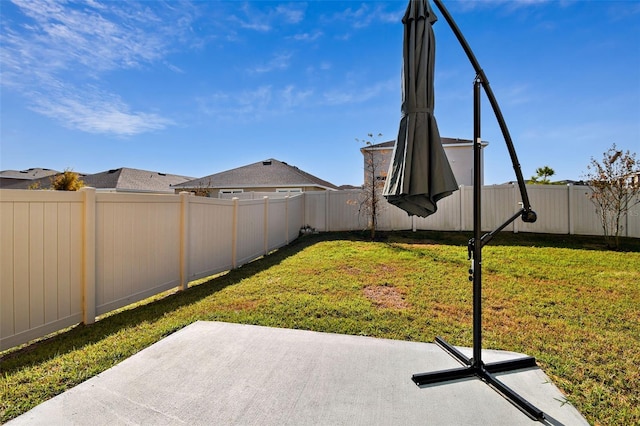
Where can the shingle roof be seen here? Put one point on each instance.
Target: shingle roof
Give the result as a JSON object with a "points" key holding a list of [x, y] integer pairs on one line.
{"points": [[126, 179], [387, 144], [267, 173], [29, 174], [445, 141]]}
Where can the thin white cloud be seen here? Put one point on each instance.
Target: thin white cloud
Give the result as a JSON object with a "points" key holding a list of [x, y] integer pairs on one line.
{"points": [[308, 36], [246, 103], [509, 4], [291, 13], [620, 11], [93, 111], [58, 52], [356, 95], [252, 18], [256, 104], [368, 14], [254, 24], [292, 97], [267, 101], [280, 62], [518, 95], [64, 36]]}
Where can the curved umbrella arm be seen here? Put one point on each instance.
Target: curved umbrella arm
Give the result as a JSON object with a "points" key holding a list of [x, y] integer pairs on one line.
{"points": [[527, 214]]}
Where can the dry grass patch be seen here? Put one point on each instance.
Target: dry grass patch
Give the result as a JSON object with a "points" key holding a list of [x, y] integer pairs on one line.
{"points": [[385, 296]]}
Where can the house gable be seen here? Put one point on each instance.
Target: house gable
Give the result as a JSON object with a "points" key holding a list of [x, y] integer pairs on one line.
{"points": [[263, 176], [126, 179], [23, 179], [459, 153]]}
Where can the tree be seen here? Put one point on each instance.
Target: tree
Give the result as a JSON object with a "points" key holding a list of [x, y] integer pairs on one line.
{"points": [[615, 189], [202, 190], [374, 176], [67, 181], [542, 175]]}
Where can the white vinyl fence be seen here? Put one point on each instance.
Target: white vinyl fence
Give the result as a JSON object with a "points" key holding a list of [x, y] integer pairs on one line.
{"points": [[564, 209], [66, 257]]}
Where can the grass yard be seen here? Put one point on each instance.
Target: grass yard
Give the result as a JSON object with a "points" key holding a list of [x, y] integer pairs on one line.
{"points": [[562, 299]]}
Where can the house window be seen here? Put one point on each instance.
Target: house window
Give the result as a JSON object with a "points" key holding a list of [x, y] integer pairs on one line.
{"points": [[294, 190], [231, 191]]}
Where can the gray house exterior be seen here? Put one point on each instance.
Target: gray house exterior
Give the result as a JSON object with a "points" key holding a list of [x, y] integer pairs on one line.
{"points": [[23, 179], [459, 153], [125, 179], [263, 176]]}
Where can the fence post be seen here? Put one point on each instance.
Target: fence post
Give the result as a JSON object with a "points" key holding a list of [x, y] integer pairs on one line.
{"points": [[89, 256], [626, 223], [286, 219], [570, 208], [266, 224], [516, 193], [327, 211], [234, 234], [184, 240], [462, 209]]}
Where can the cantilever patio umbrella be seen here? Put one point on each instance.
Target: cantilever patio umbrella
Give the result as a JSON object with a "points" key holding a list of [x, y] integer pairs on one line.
{"points": [[419, 174]]}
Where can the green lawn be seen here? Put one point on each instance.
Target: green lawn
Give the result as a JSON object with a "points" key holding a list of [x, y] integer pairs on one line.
{"points": [[562, 299]]}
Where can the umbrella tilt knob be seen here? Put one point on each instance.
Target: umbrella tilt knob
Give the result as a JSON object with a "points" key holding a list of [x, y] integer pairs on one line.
{"points": [[529, 216]]}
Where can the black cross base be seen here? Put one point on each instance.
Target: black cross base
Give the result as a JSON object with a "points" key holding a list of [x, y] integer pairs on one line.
{"points": [[485, 373]]}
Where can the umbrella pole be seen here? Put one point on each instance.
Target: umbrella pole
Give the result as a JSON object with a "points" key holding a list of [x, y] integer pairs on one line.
{"points": [[474, 367], [476, 249]]}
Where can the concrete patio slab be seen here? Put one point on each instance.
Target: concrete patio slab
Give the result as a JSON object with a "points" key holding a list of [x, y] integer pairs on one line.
{"points": [[213, 373]]}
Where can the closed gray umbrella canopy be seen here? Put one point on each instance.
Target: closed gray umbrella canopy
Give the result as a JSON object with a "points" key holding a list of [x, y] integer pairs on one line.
{"points": [[419, 174]]}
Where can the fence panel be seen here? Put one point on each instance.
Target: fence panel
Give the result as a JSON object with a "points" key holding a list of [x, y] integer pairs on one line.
{"points": [[209, 236], [41, 271], [316, 211], [344, 211], [137, 247], [632, 219], [250, 230], [447, 216], [295, 216], [276, 224], [584, 218], [499, 203], [550, 202], [393, 218]]}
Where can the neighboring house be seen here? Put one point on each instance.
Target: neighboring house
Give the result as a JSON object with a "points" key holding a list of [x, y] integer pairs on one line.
{"points": [[134, 180], [116, 180], [264, 176], [23, 179], [459, 153]]}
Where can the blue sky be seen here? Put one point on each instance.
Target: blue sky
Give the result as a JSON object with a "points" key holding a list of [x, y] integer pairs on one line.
{"points": [[199, 87]]}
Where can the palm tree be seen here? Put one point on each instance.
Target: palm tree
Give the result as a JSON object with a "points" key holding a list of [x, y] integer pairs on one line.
{"points": [[542, 175]]}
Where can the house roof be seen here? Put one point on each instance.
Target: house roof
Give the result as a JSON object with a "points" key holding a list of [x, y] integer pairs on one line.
{"points": [[381, 145], [126, 179], [29, 174], [267, 173], [445, 141]]}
